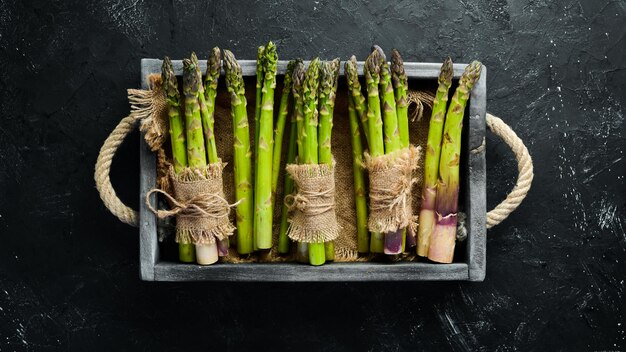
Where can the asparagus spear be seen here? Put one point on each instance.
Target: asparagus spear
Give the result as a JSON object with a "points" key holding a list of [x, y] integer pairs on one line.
{"points": [[443, 238], [263, 174], [363, 236], [257, 115], [283, 239], [186, 251], [242, 153], [317, 254], [375, 125], [257, 101], [210, 92], [360, 106], [390, 118], [401, 86], [196, 156], [327, 94], [431, 163], [283, 111], [207, 118], [302, 253]]}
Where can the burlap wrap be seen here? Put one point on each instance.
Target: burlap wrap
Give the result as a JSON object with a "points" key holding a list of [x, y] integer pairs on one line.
{"points": [[391, 180], [199, 205], [313, 217]]}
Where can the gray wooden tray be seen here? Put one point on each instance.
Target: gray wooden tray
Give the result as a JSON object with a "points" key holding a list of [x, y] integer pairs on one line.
{"points": [[152, 268]]}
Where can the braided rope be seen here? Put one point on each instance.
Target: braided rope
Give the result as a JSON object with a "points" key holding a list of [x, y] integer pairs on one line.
{"points": [[103, 168], [524, 168]]}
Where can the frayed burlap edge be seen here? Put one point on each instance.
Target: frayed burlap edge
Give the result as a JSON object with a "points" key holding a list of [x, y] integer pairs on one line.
{"points": [[313, 216], [150, 107], [391, 182]]}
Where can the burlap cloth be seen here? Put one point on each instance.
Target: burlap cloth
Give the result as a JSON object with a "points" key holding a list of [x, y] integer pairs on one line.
{"points": [[198, 203], [391, 181], [313, 217], [346, 242]]}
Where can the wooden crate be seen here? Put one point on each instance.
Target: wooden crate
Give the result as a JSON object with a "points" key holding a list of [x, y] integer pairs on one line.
{"points": [[152, 268]]}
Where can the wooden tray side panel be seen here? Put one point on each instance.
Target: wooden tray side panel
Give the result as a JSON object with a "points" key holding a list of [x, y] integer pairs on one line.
{"points": [[476, 197]]}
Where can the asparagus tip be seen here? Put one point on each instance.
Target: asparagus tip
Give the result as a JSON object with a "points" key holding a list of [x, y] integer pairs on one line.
{"points": [[471, 74], [380, 51], [373, 64], [190, 77], [170, 83], [445, 77]]}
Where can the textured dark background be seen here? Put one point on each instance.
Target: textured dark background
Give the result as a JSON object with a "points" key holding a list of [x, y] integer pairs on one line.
{"points": [[555, 270]]}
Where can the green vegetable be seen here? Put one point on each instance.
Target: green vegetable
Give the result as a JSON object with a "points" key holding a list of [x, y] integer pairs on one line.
{"points": [[427, 216], [363, 236], [354, 88], [443, 237], [375, 125], [317, 254], [327, 94], [283, 111], [242, 153], [263, 174], [186, 251]]}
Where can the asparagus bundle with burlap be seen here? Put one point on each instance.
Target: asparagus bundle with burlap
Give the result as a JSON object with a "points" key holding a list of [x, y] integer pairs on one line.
{"points": [[443, 237], [263, 173], [328, 91], [390, 165], [242, 154], [313, 219], [186, 251], [427, 216]]}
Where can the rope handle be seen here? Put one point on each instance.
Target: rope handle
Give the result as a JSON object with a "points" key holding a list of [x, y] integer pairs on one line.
{"points": [[524, 169], [494, 217], [103, 168]]}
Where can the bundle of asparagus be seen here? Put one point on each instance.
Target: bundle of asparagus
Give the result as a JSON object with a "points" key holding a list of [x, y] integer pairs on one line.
{"points": [[443, 237], [387, 135], [314, 221], [196, 172]]}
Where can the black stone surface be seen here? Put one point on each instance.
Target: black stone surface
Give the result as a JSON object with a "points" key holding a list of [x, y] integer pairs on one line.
{"points": [[555, 269]]}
